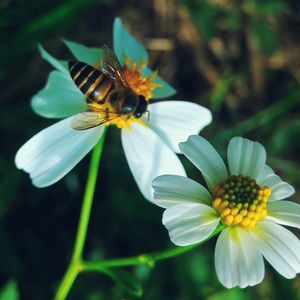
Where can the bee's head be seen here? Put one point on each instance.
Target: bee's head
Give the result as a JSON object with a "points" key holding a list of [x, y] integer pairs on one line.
{"points": [[141, 107], [130, 102]]}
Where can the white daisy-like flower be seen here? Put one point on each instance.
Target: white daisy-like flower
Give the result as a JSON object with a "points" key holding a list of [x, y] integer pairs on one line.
{"points": [[149, 143], [245, 199]]}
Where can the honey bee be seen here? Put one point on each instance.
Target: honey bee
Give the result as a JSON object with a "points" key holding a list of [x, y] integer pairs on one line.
{"points": [[107, 85]]}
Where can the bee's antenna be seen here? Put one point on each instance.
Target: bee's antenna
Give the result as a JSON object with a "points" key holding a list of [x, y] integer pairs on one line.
{"points": [[148, 115]]}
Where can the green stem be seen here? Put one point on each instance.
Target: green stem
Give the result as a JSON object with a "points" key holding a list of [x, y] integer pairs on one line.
{"points": [[73, 270], [149, 258], [88, 199], [75, 265]]}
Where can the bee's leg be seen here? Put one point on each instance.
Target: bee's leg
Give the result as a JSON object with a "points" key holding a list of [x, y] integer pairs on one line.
{"points": [[106, 112], [148, 118]]}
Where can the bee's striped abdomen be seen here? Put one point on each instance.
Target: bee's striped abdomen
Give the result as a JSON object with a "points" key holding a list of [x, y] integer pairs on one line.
{"points": [[92, 82]]}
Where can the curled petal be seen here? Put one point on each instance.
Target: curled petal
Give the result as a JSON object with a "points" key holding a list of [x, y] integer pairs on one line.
{"points": [[53, 152]]}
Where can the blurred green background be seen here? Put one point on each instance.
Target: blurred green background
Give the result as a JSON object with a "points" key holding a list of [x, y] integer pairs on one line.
{"points": [[239, 58]]}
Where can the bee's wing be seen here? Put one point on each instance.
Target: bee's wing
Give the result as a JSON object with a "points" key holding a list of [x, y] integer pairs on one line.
{"points": [[111, 66], [91, 119], [86, 120]]}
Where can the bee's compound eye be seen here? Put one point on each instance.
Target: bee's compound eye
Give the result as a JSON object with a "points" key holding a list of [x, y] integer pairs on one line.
{"points": [[141, 107], [130, 103]]}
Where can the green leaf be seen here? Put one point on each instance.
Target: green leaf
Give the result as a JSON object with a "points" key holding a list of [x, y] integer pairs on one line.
{"points": [[91, 56], [52, 60], [10, 291], [126, 281], [125, 45], [164, 91], [60, 97]]}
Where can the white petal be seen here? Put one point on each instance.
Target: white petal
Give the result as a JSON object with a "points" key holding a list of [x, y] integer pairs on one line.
{"points": [[265, 174], [279, 246], [148, 157], [60, 97], [246, 157], [204, 156], [53, 152], [170, 190], [175, 121], [280, 189], [190, 223], [285, 213], [237, 261]]}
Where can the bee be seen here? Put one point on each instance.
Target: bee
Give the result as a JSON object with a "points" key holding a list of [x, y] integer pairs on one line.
{"points": [[107, 85]]}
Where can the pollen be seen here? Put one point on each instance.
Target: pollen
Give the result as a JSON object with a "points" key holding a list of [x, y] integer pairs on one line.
{"points": [[141, 85], [240, 201]]}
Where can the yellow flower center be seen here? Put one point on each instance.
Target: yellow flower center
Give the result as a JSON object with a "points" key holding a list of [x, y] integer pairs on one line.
{"points": [[141, 85], [241, 201]]}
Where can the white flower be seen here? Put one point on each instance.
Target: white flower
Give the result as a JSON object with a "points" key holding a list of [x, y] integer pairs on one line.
{"points": [[150, 143], [244, 199]]}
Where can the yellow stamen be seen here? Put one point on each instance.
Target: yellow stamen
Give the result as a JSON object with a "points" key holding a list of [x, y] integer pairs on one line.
{"points": [[225, 212], [240, 201], [228, 220], [139, 84], [217, 202], [243, 212], [223, 205], [237, 219], [235, 211]]}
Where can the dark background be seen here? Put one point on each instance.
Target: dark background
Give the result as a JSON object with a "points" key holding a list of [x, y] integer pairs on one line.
{"points": [[239, 58]]}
